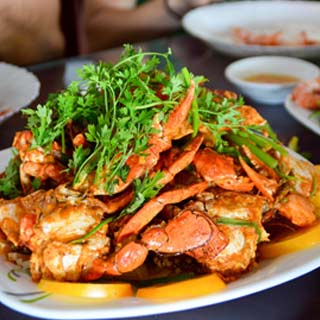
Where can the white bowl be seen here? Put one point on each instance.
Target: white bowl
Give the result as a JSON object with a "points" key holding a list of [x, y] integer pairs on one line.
{"points": [[269, 93]]}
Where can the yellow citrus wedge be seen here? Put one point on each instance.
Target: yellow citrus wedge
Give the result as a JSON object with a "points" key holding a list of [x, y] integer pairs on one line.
{"points": [[183, 289], [87, 290], [302, 239]]}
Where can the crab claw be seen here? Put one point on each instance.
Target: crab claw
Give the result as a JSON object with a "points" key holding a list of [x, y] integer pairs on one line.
{"points": [[266, 186], [129, 257], [192, 225], [155, 205], [218, 168]]}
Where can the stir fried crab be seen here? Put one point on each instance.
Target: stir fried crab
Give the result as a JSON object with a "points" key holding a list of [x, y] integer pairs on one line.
{"points": [[239, 217], [145, 166], [46, 222]]}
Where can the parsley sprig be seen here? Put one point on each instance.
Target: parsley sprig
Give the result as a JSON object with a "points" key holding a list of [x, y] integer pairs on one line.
{"points": [[219, 116], [144, 190], [115, 112]]}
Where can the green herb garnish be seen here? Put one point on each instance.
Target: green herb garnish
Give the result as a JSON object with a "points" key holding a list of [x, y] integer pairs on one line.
{"points": [[241, 223], [115, 113], [10, 182]]}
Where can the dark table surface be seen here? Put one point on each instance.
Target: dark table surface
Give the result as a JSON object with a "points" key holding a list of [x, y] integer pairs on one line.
{"points": [[297, 299]]}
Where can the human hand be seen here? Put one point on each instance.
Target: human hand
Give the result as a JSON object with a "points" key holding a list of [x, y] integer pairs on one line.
{"points": [[181, 7]]}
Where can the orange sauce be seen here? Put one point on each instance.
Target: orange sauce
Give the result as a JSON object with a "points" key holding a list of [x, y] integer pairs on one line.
{"points": [[271, 78]]}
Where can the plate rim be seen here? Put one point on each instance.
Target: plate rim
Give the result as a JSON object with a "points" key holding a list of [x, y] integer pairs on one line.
{"points": [[301, 115]]}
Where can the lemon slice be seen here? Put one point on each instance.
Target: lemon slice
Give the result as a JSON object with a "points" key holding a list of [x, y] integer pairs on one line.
{"points": [[302, 239], [87, 290], [183, 289]]}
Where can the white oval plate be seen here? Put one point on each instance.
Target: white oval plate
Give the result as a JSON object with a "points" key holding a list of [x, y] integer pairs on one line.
{"points": [[19, 288], [213, 24], [18, 88], [302, 115]]}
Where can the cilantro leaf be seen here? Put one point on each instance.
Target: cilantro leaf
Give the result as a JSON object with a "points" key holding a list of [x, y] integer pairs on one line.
{"points": [[10, 181]]}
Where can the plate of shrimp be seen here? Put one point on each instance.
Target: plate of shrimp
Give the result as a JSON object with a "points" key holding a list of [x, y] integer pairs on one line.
{"points": [[250, 28], [304, 104], [146, 178]]}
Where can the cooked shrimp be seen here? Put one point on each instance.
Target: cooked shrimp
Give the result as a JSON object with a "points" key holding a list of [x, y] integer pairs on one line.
{"points": [[263, 39], [307, 94]]}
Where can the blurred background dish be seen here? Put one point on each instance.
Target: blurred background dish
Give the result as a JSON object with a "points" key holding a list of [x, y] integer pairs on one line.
{"points": [[304, 116], [18, 88], [248, 28], [269, 79]]}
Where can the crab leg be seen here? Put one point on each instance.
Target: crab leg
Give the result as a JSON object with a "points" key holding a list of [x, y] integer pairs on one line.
{"points": [[155, 205], [128, 258], [218, 168], [260, 165], [182, 162], [178, 116], [266, 186]]}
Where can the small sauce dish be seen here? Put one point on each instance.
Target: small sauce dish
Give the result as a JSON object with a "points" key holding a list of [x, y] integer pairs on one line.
{"points": [[269, 79]]}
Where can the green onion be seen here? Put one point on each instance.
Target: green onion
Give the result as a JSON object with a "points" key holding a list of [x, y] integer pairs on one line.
{"points": [[92, 232], [195, 117], [243, 223], [293, 143], [271, 133], [263, 156], [43, 296], [314, 185], [186, 75], [264, 142], [10, 276]]}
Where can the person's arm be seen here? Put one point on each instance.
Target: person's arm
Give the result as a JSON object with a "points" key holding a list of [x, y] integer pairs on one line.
{"points": [[108, 26], [30, 31]]}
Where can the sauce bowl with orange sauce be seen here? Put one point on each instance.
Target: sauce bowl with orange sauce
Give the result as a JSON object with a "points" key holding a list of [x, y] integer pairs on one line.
{"points": [[269, 79]]}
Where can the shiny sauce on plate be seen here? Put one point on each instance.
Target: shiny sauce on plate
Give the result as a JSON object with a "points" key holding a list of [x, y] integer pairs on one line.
{"points": [[271, 78]]}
